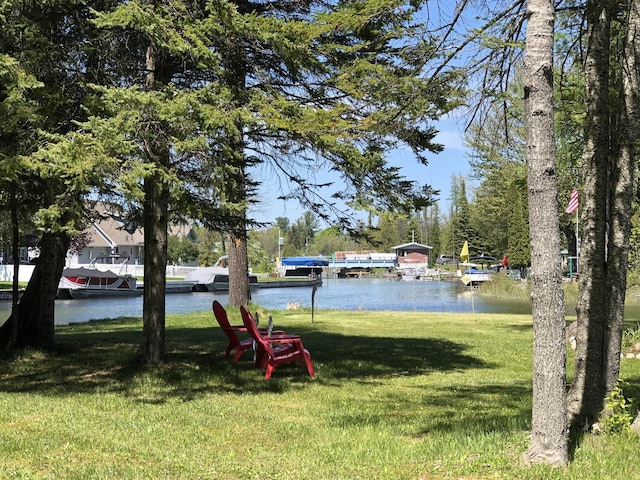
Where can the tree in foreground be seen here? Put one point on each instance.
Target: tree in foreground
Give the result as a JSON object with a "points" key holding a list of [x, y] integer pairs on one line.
{"points": [[608, 175], [45, 64], [549, 436], [223, 88], [333, 87]]}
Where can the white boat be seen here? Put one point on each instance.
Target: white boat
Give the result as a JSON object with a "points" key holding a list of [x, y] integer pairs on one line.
{"points": [[409, 274], [88, 282], [216, 278], [473, 277]]}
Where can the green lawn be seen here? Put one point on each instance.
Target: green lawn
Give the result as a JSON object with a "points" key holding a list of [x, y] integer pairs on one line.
{"points": [[396, 396]]}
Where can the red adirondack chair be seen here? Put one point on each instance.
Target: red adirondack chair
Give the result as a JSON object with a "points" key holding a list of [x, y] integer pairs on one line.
{"points": [[276, 350], [231, 331]]}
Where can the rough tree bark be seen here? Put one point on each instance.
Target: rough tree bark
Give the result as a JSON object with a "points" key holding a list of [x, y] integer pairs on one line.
{"points": [[631, 86], [34, 316], [239, 288], [549, 435], [155, 218], [588, 390], [236, 191], [622, 180]]}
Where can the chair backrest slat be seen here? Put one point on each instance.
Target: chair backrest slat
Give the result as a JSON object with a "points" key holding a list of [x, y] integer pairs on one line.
{"points": [[252, 329], [221, 314]]}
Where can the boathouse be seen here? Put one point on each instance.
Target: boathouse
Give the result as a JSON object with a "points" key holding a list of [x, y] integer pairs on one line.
{"points": [[412, 258]]}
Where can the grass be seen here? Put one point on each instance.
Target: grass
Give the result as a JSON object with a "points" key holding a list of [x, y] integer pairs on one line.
{"points": [[408, 395], [9, 285], [502, 286]]}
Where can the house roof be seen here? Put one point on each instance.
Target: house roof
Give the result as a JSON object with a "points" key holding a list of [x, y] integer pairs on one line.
{"points": [[108, 230], [412, 246]]}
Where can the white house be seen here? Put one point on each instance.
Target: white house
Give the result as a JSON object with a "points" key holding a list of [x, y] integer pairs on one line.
{"points": [[110, 236]]}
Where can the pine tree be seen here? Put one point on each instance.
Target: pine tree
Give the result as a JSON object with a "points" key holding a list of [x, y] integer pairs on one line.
{"points": [[46, 63], [435, 232]]}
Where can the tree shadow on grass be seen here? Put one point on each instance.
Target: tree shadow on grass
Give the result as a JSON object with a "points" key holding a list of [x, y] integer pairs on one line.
{"points": [[100, 357], [361, 358], [469, 410], [479, 408]]}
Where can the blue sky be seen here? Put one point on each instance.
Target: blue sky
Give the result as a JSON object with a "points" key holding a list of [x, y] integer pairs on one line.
{"points": [[453, 160]]}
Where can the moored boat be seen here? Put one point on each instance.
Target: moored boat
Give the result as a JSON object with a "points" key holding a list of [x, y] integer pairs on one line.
{"points": [[86, 282], [216, 278], [473, 277], [303, 266]]}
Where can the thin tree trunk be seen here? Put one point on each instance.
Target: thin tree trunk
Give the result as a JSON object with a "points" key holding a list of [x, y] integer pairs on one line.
{"points": [[588, 390], [549, 438], [15, 228]]}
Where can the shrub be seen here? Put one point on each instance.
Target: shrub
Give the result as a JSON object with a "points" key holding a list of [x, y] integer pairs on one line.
{"points": [[618, 409]]}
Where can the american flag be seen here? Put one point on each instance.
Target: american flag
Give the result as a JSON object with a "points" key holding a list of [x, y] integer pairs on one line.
{"points": [[573, 202]]}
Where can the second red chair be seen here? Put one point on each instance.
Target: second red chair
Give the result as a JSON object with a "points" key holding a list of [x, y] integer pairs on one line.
{"points": [[278, 350]]}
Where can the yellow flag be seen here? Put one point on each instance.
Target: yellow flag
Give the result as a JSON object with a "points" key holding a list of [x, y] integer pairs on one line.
{"points": [[464, 253]]}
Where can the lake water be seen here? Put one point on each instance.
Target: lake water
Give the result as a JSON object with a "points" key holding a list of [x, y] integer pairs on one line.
{"points": [[342, 294]]}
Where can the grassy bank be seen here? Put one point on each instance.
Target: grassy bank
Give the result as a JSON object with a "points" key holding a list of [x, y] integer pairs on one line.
{"points": [[502, 286], [9, 285], [406, 395]]}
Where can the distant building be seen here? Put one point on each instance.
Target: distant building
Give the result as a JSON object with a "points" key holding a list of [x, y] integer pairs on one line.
{"points": [[114, 239], [412, 258], [111, 236]]}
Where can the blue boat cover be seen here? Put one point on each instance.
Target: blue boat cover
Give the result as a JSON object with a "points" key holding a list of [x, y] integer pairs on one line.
{"points": [[305, 262]]}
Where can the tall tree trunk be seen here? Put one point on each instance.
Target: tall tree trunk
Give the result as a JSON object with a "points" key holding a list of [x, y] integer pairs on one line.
{"points": [[622, 179], [631, 86], [549, 439], [236, 190], [588, 390], [155, 261], [35, 314], [155, 218]]}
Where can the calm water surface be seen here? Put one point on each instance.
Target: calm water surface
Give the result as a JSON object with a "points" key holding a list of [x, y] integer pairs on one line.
{"points": [[342, 294]]}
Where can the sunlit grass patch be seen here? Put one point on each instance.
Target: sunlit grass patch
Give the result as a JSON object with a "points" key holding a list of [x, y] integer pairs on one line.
{"points": [[397, 395]]}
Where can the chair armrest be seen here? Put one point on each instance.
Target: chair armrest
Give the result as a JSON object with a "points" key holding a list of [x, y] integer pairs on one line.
{"points": [[263, 331], [283, 339], [274, 333]]}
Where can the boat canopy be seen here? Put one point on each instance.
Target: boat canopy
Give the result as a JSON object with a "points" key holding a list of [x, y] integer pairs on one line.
{"points": [[88, 272], [206, 275], [305, 262]]}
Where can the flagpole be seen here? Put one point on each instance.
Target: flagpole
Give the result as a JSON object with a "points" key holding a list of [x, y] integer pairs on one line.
{"points": [[577, 242], [572, 207]]}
